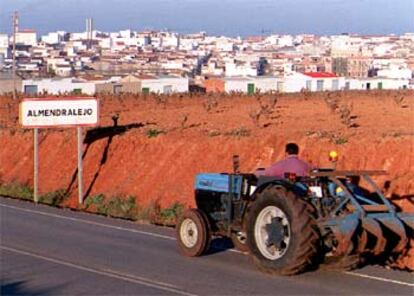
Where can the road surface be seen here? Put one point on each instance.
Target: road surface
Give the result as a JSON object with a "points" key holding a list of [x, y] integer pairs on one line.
{"points": [[49, 251]]}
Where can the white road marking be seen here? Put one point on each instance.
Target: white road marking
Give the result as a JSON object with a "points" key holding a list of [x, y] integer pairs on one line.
{"points": [[109, 273], [174, 239], [90, 222], [379, 278], [100, 224]]}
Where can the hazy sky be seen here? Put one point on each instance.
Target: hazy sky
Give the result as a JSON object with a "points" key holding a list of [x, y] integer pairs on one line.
{"points": [[217, 17]]}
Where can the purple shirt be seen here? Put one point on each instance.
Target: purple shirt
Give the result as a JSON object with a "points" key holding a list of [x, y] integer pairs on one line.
{"points": [[291, 164]]}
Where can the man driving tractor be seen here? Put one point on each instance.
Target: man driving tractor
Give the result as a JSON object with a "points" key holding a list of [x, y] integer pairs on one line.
{"points": [[290, 165]]}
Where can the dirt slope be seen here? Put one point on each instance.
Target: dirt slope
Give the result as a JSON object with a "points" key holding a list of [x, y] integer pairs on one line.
{"points": [[160, 143]]}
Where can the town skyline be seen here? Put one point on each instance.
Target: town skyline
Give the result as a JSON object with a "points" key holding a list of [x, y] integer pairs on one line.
{"points": [[365, 17]]}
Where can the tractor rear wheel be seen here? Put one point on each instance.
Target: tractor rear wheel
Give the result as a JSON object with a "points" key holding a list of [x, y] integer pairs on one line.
{"points": [[193, 233], [281, 233]]}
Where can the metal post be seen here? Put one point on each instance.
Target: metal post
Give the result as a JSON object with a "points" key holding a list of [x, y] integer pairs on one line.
{"points": [[36, 165], [80, 165]]}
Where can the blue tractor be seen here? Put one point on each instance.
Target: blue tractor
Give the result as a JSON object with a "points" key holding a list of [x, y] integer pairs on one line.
{"points": [[292, 224]]}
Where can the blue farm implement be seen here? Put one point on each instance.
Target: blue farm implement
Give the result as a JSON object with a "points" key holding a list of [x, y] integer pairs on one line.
{"points": [[291, 224]]}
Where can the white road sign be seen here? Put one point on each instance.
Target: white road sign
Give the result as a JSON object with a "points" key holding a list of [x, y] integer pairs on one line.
{"points": [[63, 112]]}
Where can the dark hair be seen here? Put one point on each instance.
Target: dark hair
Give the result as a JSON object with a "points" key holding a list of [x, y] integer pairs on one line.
{"points": [[292, 149]]}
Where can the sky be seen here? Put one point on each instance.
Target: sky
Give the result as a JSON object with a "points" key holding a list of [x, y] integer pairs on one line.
{"points": [[216, 17]]}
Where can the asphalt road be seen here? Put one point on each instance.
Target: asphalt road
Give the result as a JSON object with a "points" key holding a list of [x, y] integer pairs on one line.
{"points": [[48, 251]]}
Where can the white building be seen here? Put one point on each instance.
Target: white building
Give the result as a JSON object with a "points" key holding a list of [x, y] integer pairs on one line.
{"points": [[321, 81], [28, 67], [265, 83], [250, 85], [55, 86], [125, 33], [173, 65], [224, 44], [187, 44], [79, 36], [4, 45], [212, 69], [280, 41], [26, 37], [52, 38], [376, 83], [171, 41], [293, 82], [63, 70], [311, 81], [238, 84], [54, 63], [395, 72], [240, 69], [164, 84], [345, 46]]}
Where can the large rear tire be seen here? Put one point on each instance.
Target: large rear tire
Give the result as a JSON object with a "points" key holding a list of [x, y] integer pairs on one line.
{"points": [[281, 233], [193, 233]]}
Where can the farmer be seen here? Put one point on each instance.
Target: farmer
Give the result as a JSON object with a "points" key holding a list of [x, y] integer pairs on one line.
{"points": [[290, 165]]}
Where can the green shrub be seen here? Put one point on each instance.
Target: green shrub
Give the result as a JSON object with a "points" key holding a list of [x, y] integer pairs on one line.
{"points": [[17, 191], [54, 198], [168, 216], [148, 213], [121, 207], [94, 200], [153, 133], [102, 209], [213, 133], [117, 206], [238, 132], [341, 141]]}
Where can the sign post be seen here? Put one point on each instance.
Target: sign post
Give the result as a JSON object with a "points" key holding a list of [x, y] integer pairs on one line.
{"points": [[58, 112], [35, 164], [80, 165]]}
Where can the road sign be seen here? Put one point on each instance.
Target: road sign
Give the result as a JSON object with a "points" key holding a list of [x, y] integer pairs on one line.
{"points": [[58, 112]]}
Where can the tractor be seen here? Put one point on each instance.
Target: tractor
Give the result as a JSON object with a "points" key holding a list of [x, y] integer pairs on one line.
{"points": [[293, 224]]}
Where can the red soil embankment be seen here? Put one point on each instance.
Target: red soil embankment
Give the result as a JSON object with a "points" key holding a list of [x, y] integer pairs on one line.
{"points": [[200, 133], [163, 168]]}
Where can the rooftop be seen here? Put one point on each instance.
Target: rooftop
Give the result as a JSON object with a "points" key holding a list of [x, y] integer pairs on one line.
{"points": [[320, 74], [27, 31]]}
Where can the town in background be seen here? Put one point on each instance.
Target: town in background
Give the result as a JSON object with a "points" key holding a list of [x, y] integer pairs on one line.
{"points": [[165, 62]]}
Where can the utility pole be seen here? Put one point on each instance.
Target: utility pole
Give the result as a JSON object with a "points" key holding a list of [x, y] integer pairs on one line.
{"points": [[15, 30]]}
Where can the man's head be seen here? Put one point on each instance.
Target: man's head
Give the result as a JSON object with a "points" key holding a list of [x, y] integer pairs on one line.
{"points": [[292, 149]]}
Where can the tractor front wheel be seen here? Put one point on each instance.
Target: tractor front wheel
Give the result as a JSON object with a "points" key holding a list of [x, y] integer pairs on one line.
{"points": [[193, 234]]}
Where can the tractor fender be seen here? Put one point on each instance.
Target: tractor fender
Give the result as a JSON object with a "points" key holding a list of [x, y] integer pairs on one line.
{"points": [[298, 189], [263, 185]]}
